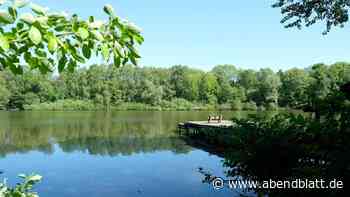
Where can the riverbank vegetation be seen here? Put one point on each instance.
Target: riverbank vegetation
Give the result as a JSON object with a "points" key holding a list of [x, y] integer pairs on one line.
{"points": [[288, 146], [296, 146], [101, 87]]}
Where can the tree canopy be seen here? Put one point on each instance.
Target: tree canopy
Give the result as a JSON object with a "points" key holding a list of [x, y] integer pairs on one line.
{"points": [[297, 13], [108, 86], [50, 41]]}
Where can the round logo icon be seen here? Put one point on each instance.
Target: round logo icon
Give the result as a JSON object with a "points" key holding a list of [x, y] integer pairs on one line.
{"points": [[218, 183]]}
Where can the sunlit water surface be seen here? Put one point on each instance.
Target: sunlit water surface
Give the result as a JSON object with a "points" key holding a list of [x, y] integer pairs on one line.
{"points": [[107, 153]]}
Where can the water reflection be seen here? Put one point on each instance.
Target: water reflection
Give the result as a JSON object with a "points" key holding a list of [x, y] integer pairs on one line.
{"points": [[100, 133], [97, 133], [105, 153]]}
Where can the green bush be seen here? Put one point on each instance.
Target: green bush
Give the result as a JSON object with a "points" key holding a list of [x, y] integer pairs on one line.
{"points": [[261, 108], [31, 98], [236, 105], [4, 98], [225, 106], [136, 107], [251, 106], [177, 104], [64, 105], [271, 106]]}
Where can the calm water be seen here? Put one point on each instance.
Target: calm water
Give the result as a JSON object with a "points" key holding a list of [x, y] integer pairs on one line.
{"points": [[106, 153]]}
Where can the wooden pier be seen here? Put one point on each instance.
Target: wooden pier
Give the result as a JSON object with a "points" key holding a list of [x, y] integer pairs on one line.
{"points": [[204, 127], [206, 124], [209, 135]]}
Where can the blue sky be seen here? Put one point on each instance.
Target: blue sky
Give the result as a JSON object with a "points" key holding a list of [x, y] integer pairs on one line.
{"points": [[205, 33]]}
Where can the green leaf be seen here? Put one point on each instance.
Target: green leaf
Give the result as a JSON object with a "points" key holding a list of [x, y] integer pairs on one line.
{"points": [[135, 52], [6, 17], [23, 49], [35, 35], [75, 53], [43, 20], [58, 15], [133, 60], [96, 24], [3, 62], [91, 19], [62, 63], [19, 26], [38, 9], [28, 58], [139, 39], [132, 27], [44, 65], [86, 51], [18, 70], [52, 43], [60, 27], [105, 51], [23, 176], [13, 12], [117, 59], [27, 18], [4, 43], [119, 49], [41, 53], [97, 35], [20, 3], [83, 33], [125, 60], [72, 65], [33, 62], [109, 9], [34, 178]]}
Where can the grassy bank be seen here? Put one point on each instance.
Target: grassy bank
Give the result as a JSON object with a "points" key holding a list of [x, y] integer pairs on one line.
{"points": [[174, 105]]}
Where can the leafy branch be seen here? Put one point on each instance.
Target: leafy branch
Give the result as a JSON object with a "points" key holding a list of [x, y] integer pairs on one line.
{"points": [[44, 39], [21, 189]]}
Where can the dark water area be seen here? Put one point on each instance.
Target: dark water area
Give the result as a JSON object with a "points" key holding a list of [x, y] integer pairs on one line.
{"points": [[107, 153]]}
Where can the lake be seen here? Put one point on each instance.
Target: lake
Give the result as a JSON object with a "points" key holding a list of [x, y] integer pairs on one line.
{"points": [[119, 153]]}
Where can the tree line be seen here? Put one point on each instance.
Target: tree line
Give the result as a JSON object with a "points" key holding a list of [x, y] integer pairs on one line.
{"points": [[227, 86]]}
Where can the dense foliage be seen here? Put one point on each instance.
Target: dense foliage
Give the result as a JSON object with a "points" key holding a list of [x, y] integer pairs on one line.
{"points": [[289, 146], [51, 41], [178, 87]]}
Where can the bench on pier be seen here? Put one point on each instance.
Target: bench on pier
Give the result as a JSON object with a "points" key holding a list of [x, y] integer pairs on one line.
{"points": [[215, 118]]}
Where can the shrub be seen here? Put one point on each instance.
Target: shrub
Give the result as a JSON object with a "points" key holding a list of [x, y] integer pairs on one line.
{"points": [[4, 97], [250, 106], [63, 105], [225, 106], [236, 105], [136, 107], [271, 107], [261, 108], [177, 104], [31, 98]]}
